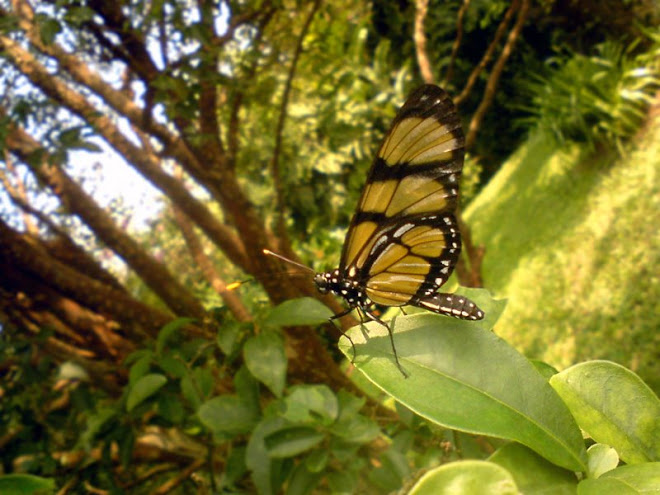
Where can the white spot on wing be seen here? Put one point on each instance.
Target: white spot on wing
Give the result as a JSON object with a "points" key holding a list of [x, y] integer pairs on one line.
{"points": [[403, 229]]}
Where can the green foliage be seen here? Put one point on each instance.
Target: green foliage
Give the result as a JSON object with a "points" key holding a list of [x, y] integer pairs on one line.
{"points": [[601, 98], [530, 413], [474, 477], [569, 243], [615, 407], [304, 437], [26, 484]]}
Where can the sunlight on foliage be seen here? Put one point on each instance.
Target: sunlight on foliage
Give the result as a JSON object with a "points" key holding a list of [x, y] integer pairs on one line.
{"points": [[598, 98]]}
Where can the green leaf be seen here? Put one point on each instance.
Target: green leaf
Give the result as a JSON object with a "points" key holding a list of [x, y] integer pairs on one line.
{"points": [[263, 467], [532, 473], [302, 481], [228, 414], [302, 311], [97, 423], [614, 406], [265, 358], [311, 403], [25, 484], [356, 429], [48, 29], [291, 441], [204, 380], [544, 368], [343, 482], [170, 408], [140, 367], [144, 388], [634, 480], [189, 391], [247, 388], [464, 377], [468, 478], [235, 468], [168, 330], [317, 460], [172, 365], [601, 459], [229, 335]]}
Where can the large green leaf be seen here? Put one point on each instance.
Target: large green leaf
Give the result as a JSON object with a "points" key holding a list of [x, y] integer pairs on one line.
{"points": [[466, 478], [614, 406], [302, 311], [465, 377]]}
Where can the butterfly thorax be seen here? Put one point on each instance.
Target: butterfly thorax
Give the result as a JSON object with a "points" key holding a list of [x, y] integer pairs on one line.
{"points": [[341, 285]]}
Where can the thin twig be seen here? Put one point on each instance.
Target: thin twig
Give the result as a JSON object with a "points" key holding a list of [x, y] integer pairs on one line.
{"points": [[176, 481], [233, 302], [421, 8], [274, 164], [491, 86], [457, 42], [499, 34]]}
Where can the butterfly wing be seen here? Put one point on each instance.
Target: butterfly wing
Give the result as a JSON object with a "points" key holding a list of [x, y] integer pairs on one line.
{"points": [[403, 241]]}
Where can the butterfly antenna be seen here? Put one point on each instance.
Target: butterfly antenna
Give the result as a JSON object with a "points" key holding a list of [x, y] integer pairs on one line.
{"points": [[299, 265]]}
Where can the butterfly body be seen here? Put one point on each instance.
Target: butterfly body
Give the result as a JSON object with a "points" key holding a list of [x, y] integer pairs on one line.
{"points": [[403, 241]]}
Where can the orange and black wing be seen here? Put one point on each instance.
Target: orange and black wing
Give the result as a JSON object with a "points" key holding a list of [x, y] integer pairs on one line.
{"points": [[404, 241]]}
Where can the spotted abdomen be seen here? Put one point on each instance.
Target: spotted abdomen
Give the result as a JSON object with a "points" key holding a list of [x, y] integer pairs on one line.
{"points": [[451, 305]]}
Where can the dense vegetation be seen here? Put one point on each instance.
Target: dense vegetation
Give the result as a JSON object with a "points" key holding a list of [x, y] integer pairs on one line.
{"points": [[129, 363]]}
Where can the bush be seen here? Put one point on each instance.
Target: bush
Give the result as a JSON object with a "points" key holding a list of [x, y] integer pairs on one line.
{"points": [[596, 99], [269, 436]]}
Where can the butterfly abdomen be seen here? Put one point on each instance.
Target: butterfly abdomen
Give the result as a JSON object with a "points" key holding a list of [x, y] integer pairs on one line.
{"points": [[451, 305]]}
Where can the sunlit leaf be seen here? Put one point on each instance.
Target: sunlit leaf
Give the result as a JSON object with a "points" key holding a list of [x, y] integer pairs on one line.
{"points": [[614, 406], [466, 478], [601, 459], [637, 479], [464, 377]]}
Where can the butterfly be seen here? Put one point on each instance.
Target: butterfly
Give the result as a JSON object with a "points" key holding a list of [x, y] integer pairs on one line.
{"points": [[403, 241]]}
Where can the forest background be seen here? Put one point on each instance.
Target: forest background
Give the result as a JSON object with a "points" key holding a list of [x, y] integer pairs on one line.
{"points": [[127, 361]]}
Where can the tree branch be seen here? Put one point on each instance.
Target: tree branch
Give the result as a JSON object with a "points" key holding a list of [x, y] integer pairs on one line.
{"points": [[457, 42], [421, 7], [78, 201], [499, 34], [491, 86], [274, 164]]}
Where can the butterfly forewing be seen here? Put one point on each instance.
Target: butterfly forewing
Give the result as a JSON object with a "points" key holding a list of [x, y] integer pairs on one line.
{"points": [[403, 241]]}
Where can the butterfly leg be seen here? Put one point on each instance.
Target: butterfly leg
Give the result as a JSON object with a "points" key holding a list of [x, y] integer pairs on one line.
{"points": [[339, 315], [389, 331]]}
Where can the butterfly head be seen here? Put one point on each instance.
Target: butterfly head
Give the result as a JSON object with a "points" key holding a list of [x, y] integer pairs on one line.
{"points": [[345, 287]]}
